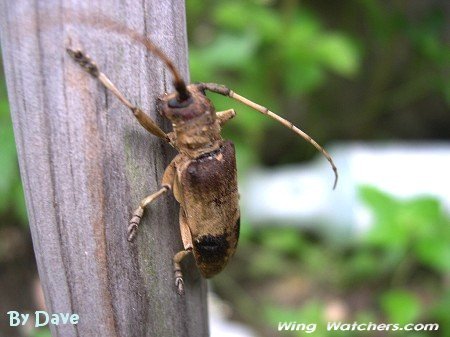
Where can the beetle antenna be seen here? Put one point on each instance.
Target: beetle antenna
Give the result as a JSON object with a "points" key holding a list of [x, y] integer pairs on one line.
{"points": [[100, 21], [222, 90], [289, 125], [178, 82]]}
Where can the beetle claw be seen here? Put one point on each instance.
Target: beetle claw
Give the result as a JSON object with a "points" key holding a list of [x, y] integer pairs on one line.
{"points": [[132, 231], [134, 223], [179, 283]]}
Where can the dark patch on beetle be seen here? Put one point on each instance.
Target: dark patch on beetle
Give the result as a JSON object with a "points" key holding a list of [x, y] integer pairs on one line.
{"points": [[205, 174], [211, 248]]}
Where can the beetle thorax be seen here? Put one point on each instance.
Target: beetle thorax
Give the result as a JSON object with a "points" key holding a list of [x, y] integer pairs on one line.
{"points": [[198, 136]]}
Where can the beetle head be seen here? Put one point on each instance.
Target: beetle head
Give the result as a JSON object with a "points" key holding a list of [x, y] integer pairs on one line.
{"points": [[179, 111]]}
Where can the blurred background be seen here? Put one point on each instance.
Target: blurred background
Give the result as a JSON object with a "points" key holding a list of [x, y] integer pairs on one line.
{"points": [[369, 80]]}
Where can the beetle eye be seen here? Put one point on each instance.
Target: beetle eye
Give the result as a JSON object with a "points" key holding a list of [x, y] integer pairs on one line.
{"points": [[175, 104]]}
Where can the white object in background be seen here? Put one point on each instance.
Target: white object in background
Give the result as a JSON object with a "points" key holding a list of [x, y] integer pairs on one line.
{"points": [[303, 194], [219, 324]]}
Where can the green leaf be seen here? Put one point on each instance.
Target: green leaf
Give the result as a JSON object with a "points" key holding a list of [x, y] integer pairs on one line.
{"points": [[303, 78], [385, 231], [381, 203], [229, 15], [432, 247], [338, 53], [400, 306], [226, 52], [266, 22]]}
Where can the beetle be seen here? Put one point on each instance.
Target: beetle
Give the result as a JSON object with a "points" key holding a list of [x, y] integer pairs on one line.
{"points": [[202, 177]]}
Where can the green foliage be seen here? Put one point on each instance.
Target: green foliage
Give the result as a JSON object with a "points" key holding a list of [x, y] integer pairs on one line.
{"points": [[414, 230], [286, 242], [12, 204], [296, 44], [273, 56], [396, 271], [361, 69], [401, 306], [396, 27]]}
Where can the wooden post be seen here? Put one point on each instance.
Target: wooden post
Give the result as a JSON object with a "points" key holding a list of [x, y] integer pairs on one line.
{"points": [[86, 163]]}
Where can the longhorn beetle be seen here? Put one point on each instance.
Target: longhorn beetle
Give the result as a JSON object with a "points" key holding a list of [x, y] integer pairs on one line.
{"points": [[202, 177]]}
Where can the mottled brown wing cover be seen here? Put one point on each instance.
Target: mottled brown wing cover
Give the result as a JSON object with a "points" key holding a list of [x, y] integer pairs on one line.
{"points": [[211, 204]]}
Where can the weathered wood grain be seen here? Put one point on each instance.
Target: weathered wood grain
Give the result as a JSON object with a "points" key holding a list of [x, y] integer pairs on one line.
{"points": [[85, 164]]}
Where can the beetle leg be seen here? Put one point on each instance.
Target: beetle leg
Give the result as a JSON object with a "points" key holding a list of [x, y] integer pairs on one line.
{"points": [[222, 90], [177, 258], [167, 183], [187, 243], [225, 116], [186, 236], [89, 65], [139, 212]]}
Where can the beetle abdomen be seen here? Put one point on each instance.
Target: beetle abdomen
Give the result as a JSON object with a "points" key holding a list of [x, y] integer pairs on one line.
{"points": [[211, 203]]}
